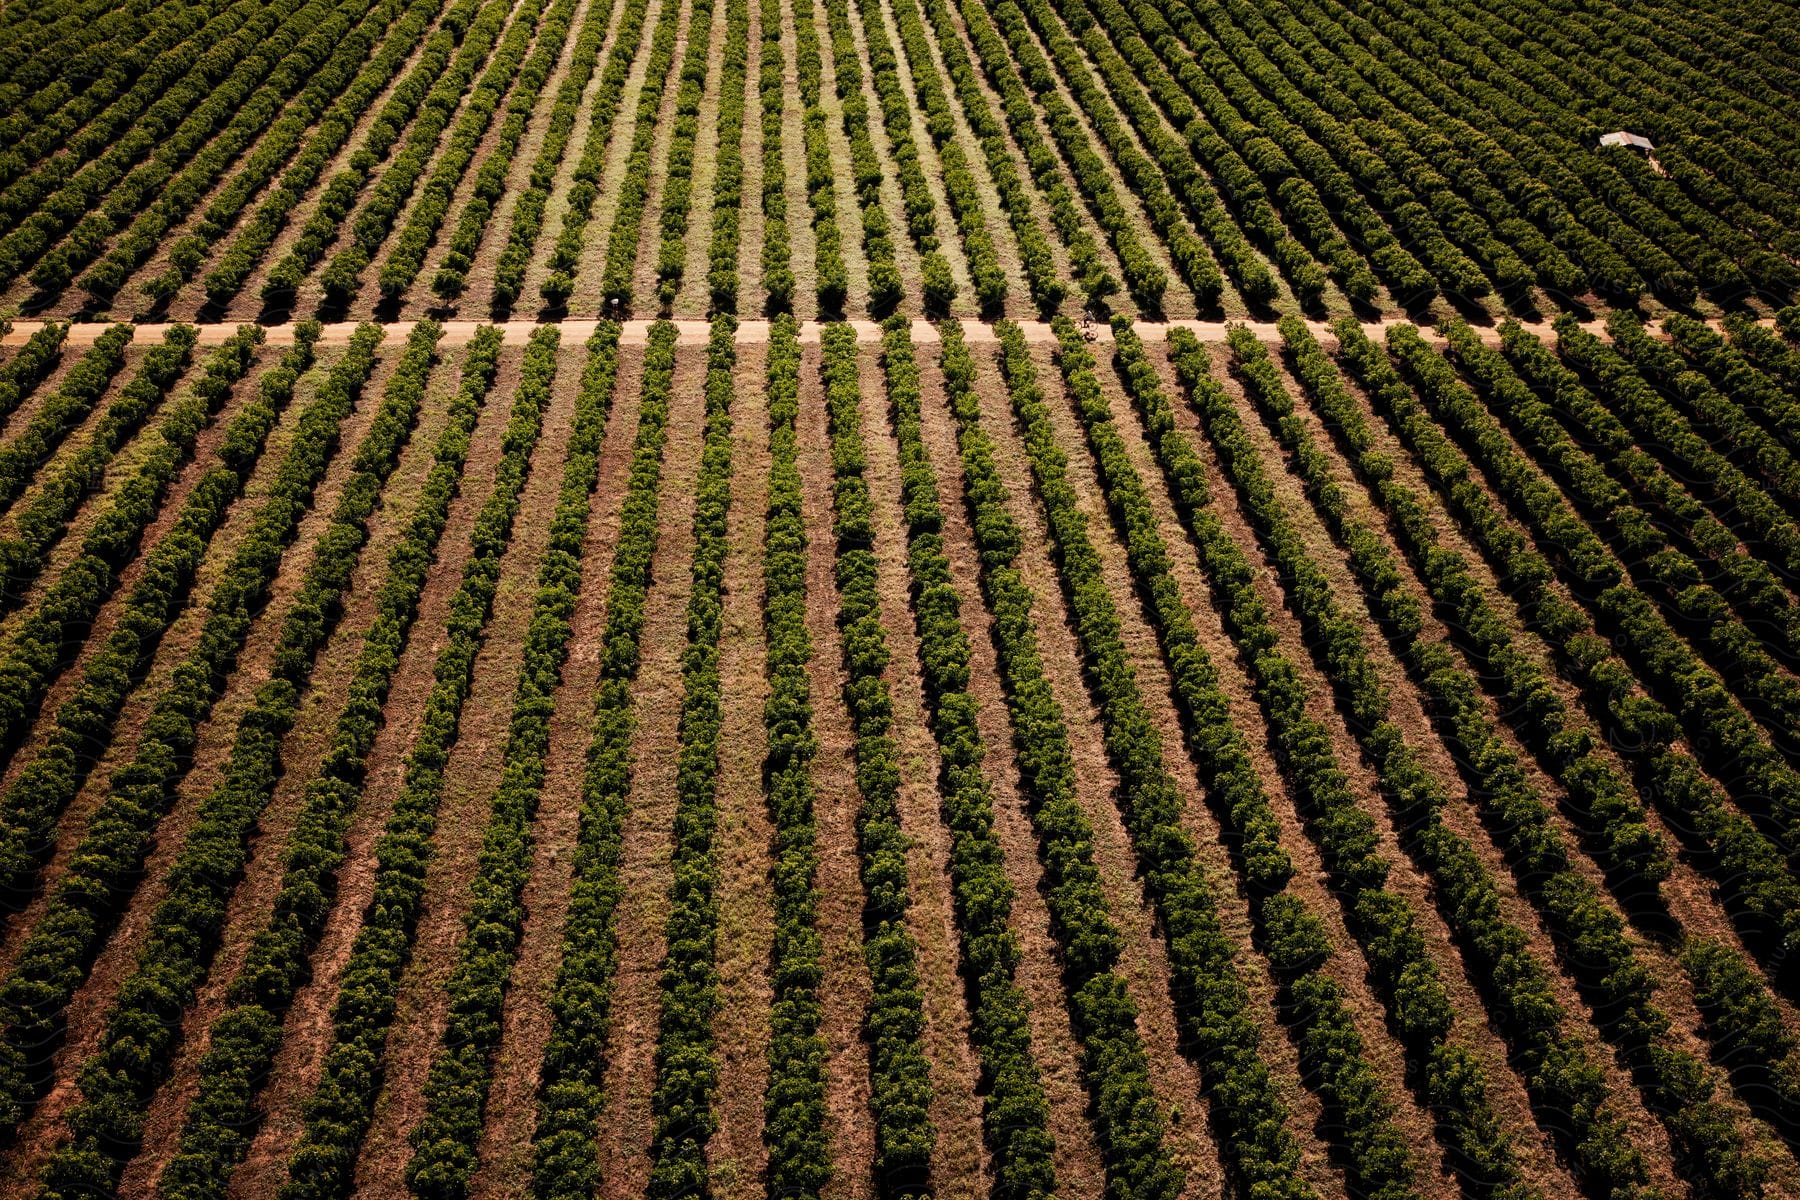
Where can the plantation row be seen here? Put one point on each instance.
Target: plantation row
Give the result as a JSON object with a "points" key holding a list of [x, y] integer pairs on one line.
{"points": [[375, 157], [1363, 763], [1554, 935]]}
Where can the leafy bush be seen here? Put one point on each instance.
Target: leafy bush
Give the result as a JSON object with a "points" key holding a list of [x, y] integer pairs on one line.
{"points": [[143, 1026], [900, 1085], [1016, 1111], [31, 365], [528, 211], [65, 408], [795, 1127], [318, 150], [1212, 999], [1676, 1086], [338, 1112], [221, 1119], [109, 860], [84, 722], [687, 1064], [565, 1163]]}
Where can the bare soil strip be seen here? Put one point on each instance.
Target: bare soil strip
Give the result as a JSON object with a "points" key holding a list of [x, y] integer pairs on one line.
{"points": [[844, 990], [644, 870], [745, 834], [693, 331], [308, 1025], [505, 1148]]}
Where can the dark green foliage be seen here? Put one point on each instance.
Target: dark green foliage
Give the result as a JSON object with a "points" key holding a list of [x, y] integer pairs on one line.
{"points": [[634, 189], [463, 37], [900, 1087], [505, 79], [39, 647], [1143, 278], [528, 212], [451, 96], [337, 1114], [31, 364], [1211, 995], [1384, 922], [678, 168], [143, 1026], [65, 408], [269, 123], [109, 860], [832, 281], [728, 161], [687, 1065], [490, 181], [56, 227], [1016, 1111], [312, 155], [866, 172], [59, 494], [794, 1119], [221, 1119], [456, 1089], [565, 1163], [771, 92], [1675, 1085]]}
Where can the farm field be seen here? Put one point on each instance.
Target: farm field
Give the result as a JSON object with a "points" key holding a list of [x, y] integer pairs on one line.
{"points": [[886, 599]]}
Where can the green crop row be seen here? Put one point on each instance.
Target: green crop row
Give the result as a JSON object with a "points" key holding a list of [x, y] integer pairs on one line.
{"points": [[571, 1099], [31, 364], [953, 165], [1144, 279], [143, 1025], [900, 1084], [728, 161], [771, 94], [109, 860], [1453, 1080], [634, 188], [1298, 943], [528, 211], [452, 96], [832, 284], [313, 155], [886, 289], [452, 274], [322, 1164], [221, 1119], [795, 1128], [270, 128], [192, 157], [687, 1061], [455, 1093], [1016, 1112], [520, 87], [1676, 1086], [1642, 546], [451, 55], [1212, 998], [65, 408], [1751, 584], [40, 649], [678, 168]]}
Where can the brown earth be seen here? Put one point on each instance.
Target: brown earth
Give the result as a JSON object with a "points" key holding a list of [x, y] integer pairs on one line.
{"points": [[649, 826]]}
